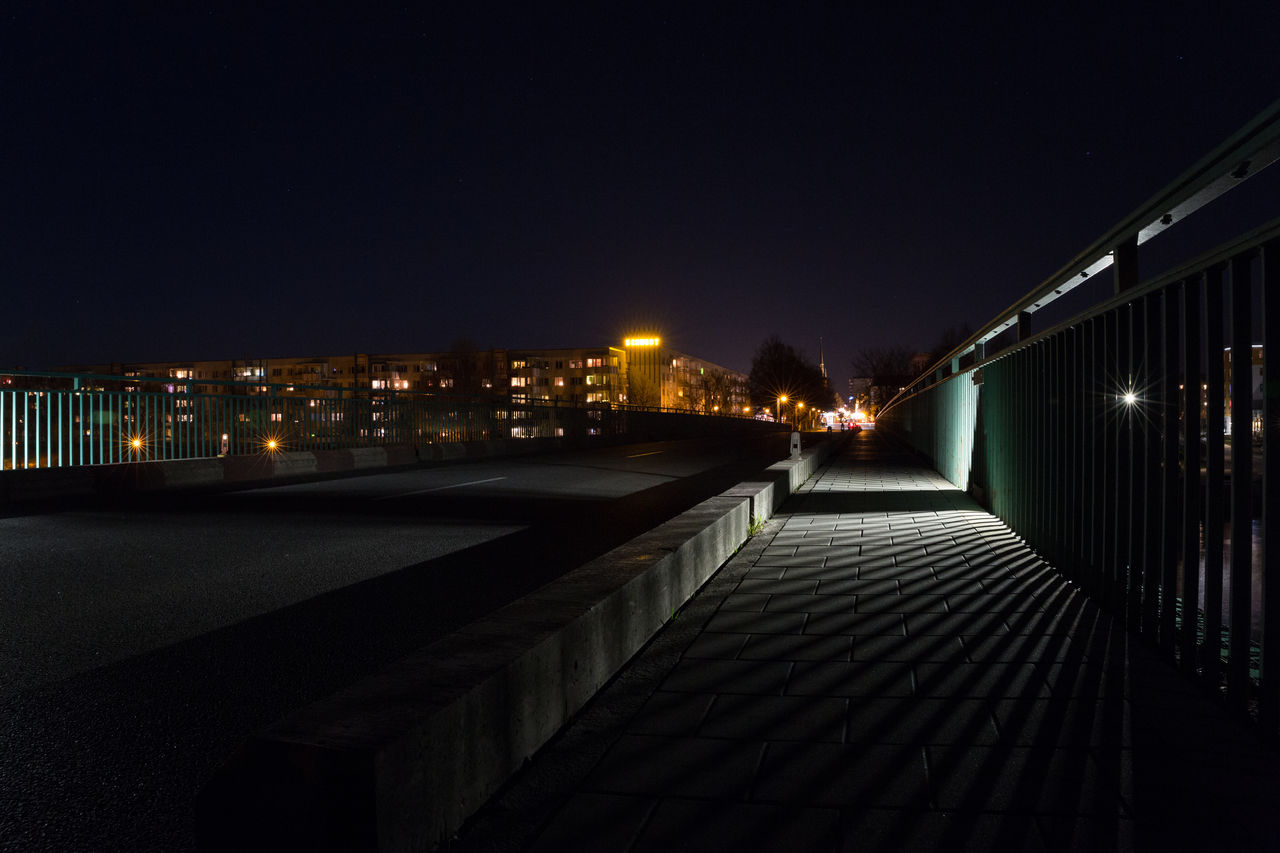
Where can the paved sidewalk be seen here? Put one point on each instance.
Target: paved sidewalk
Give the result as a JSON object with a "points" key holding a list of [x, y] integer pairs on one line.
{"points": [[887, 667]]}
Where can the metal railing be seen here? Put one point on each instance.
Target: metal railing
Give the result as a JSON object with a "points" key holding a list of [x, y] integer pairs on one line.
{"points": [[51, 420], [1133, 448]]}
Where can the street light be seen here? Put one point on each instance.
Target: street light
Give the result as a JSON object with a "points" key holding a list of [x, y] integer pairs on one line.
{"points": [[782, 399], [799, 409]]}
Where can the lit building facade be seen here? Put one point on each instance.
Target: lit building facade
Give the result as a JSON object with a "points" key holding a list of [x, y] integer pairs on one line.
{"points": [[641, 372]]}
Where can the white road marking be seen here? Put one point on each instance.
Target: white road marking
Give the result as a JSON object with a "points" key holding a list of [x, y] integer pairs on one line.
{"points": [[439, 488], [650, 453]]}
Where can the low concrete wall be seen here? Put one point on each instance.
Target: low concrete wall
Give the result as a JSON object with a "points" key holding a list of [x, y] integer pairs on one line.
{"points": [[398, 761], [38, 484]]}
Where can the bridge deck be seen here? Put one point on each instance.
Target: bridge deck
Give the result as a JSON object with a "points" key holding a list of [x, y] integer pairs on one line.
{"points": [[888, 667]]}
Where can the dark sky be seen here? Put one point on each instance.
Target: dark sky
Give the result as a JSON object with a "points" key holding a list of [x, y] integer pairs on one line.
{"points": [[210, 182]]}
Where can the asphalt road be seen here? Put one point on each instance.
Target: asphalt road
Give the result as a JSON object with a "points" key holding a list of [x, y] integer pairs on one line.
{"points": [[143, 642]]}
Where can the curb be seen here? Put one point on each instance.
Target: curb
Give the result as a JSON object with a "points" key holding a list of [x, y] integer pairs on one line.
{"points": [[39, 484], [398, 761]]}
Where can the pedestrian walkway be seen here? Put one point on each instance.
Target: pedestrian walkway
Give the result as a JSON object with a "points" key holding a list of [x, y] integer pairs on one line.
{"points": [[888, 667]]}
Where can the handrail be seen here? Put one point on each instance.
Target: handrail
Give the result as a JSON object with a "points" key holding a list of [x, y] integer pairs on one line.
{"points": [[1242, 156], [1216, 256]]}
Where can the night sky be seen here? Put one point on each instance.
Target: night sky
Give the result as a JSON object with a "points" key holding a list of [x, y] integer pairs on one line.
{"points": [[211, 182]]}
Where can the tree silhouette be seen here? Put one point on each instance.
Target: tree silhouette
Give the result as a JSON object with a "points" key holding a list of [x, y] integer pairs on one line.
{"points": [[777, 369], [888, 368]]}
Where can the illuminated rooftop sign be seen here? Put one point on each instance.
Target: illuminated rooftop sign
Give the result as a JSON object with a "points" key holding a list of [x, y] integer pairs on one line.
{"points": [[641, 342]]}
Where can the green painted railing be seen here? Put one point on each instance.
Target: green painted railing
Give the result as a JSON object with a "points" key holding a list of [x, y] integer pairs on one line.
{"points": [[1130, 445], [50, 420]]}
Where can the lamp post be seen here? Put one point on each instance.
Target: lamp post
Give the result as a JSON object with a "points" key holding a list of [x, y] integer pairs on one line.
{"points": [[781, 399], [799, 410]]}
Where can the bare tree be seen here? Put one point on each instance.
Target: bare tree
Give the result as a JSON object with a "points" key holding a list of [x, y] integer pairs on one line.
{"points": [[778, 369], [888, 368], [951, 337]]}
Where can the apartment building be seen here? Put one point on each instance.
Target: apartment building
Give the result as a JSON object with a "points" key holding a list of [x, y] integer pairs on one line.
{"points": [[641, 371]]}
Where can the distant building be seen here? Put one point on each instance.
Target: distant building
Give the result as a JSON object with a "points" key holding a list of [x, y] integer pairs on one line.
{"points": [[640, 372], [1255, 386], [860, 389]]}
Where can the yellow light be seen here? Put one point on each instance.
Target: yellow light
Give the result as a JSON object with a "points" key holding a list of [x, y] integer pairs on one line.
{"points": [[272, 444], [801, 405], [782, 399], [135, 444], [641, 342]]}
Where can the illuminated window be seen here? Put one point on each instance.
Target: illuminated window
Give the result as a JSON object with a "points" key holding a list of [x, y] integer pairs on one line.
{"points": [[595, 362], [516, 365], [591, 379], [518, 381], [277, 416], [559, 381]]}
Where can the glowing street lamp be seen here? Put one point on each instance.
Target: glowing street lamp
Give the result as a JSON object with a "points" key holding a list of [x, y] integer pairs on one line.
{"points": [[781, 399]]}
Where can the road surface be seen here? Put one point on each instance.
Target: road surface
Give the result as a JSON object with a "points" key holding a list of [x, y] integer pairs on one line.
{"points": [[144, 642]]}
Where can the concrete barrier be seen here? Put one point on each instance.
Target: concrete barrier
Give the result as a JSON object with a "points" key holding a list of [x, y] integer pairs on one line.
{"points": [[39, 484], [294, 464], [368, 457], [398, 761], [188, 473]]}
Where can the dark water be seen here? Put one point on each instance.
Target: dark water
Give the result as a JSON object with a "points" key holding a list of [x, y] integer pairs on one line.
{"points": [[1255, 593]]}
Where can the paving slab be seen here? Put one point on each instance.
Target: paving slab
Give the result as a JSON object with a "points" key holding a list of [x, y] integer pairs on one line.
{"points": [[887, 667]]}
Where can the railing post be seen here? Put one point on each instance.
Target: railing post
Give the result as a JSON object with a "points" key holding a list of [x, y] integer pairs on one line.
{"points": [[1241, 481], [1024, 325], [1169, 463], [1214, 478], [1269, 670], [1192, 311], [1124, 264], [1148, 506]]}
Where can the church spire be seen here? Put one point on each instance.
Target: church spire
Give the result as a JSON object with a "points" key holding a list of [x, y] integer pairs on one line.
{"points": [[822, 365]]}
